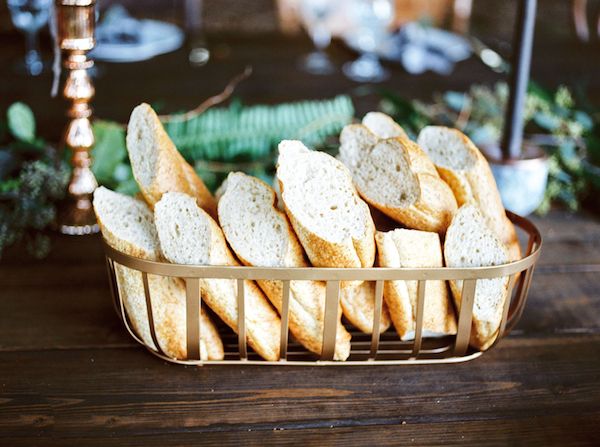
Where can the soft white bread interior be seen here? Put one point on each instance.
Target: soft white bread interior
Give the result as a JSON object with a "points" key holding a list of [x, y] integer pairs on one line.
{"points": [[358, 305], [466, 170], [332, 222], [157, 165], [188, 235], [383, 125], [127, 225], [261, 235], [415, 249], [471, 243], [394, 176]]}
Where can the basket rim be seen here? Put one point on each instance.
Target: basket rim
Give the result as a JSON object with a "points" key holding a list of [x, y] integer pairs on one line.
{"points": [[340, 274]]}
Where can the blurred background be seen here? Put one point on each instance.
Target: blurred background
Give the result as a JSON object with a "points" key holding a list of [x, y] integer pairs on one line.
{"points": [[315, 65]]}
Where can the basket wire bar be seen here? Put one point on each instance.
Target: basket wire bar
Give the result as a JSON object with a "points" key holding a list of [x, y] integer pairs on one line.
{"points": [[511, 283], [376, 320], [419, 318], [193, 308], [375, 348], [285, 313], [241, 323], [149, 313], [332, 292], [465, 316]]}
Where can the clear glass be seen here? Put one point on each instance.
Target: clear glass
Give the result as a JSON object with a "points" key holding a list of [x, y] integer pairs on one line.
{"points": [[370, 20], [29, 16], [315, 15]]}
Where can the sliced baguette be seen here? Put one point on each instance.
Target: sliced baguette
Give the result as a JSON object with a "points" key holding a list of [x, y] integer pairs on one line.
{"points": [[188, 235], [383, 125], [157, 165], [358, 304], [394, 176], [261, 235], [332, 222], [127, 225], [415, 249], [467, 172], [471, 243]]}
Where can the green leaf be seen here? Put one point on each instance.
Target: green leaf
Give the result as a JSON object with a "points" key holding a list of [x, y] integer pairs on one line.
{"points": [[21, 122], [584, 119], [108, 152], [455, 100], [129, 187], [546, 121]]}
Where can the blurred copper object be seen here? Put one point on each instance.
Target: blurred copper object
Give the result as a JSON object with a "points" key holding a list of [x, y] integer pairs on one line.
{"points": [[367, 349], [76, 20]]}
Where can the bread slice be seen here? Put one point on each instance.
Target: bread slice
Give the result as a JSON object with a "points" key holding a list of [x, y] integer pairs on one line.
{"points": [[471, 243], [383, 125], [188, 235], [261, 235], [332, 222], [127, 225], [415, 249], [467, 172], [358, 304], [394, 176], [157, 165]]}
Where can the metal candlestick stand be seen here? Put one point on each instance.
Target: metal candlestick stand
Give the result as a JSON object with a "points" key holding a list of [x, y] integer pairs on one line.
{"points": [[76, 22]]}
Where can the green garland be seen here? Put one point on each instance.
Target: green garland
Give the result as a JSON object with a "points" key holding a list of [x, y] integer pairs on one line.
{"points": [[234, 134]]}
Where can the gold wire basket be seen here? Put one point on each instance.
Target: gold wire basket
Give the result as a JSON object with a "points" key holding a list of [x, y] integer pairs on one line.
{"points": [[366, 349]]}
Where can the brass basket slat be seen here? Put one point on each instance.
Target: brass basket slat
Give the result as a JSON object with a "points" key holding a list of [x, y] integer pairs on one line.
{"points": [[285, 313], [375, 334], [241, 323], [465, 316], [114, 294], [421, 285], [150, 314], [125, 320], [193, 307], [332, 293], [375, 348], [509, 295]]}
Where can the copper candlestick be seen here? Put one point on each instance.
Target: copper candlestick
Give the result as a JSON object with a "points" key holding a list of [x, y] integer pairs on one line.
{"points": [[76, 21]]}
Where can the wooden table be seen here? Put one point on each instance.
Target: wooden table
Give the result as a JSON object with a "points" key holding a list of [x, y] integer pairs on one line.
{"points": [[70, 375]]}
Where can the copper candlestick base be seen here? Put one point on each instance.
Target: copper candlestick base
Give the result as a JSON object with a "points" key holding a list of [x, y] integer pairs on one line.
{"points": [[76, 21]]}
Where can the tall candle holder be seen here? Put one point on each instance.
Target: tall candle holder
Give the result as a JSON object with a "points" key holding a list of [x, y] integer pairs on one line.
{"points": [[75, 33]]}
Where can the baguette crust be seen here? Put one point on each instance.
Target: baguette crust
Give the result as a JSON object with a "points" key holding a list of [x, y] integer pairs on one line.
{"points": [[157, 165], [358, 304], [471, 243], [470, 179], [323, 250], [188, 235], [167, 294], [415, 249], [247, 206], [396, 177]]}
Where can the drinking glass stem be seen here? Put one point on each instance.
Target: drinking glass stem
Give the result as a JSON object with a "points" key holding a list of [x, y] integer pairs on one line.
{"points": [[370, 58], [33, 60], [321, 38]]}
